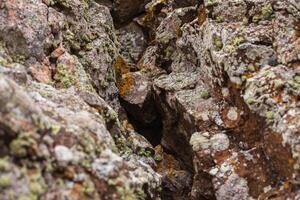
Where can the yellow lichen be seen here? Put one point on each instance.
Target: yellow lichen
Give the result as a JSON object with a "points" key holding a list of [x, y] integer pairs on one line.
{"points": [[201, 15], [124, 77], [121, 66], [125, 84]]}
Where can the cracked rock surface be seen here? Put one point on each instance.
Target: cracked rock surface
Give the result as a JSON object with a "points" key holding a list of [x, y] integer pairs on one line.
{"points": [[149, 99]]}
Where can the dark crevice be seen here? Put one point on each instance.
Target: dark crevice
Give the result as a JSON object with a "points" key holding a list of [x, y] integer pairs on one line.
{"points": [[151, 131], [6, 136], [119, 24]]}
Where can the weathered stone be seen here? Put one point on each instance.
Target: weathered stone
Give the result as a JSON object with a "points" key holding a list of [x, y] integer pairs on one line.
{"points": [[24, 29], [133, 43], [35, 119], [214, 84], [220, 60]]}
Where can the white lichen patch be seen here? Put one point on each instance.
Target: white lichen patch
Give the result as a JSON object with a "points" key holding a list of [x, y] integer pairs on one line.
{"points": [[225, 92], [63, 153], [232, 114], [235, 188], [219, 142], [108, 164], [201, 141], [198, 141], [214, 171]]}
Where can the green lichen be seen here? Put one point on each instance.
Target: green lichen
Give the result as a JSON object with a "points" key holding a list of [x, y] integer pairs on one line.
{"points": [[210, 3], [128, 151], [89, 46], [293, 84], [65, 75], [270, 115], [121, 144], [81, 54], [126, 193], [278, 84], [111, 115], [89, 188], [158, 158], [140, 194], [4, 164], [238, 40], [19, 146], [75, 45], [5, 181], [3, 61], [217, 40], [291, 9], [219, 19], [204, 94], [44, 94], [27, 197], [86, 163], [36, 188], [19, 59], [144, 152], [250, 100], [49, 166], [245, 21], [55, 128], [179, 79], [251, 67], [267, 11], [88, 144], [69, 35], [266, 73], [91, 145], [86, 37], [256, 19], [297, 79]]}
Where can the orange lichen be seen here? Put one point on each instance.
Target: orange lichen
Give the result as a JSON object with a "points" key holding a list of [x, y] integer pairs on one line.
{"points": [[124, 77], [291, 162], [286, 185], [121, 66], [125, 84], [168, 164], [77, 191], [201, 15], [127, 125]]}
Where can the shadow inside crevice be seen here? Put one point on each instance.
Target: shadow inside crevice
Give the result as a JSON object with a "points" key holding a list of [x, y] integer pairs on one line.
{"points": [[152, 131]]}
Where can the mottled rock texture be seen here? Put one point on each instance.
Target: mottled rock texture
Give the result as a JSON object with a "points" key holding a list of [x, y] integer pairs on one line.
{"points": [[141, 99]]}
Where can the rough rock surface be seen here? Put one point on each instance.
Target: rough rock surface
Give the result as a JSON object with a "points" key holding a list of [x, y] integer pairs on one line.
{"points": [[141, 99]]}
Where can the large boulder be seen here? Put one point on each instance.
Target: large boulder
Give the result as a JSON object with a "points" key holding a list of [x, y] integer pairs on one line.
{"points": [[63, 149]]}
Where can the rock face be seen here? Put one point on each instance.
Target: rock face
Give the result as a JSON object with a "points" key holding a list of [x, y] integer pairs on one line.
{"points": [[175, 99], [60, 133]]}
